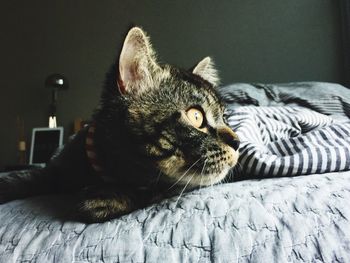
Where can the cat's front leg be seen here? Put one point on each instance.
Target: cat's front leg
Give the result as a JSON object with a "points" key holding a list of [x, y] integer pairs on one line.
{"points": [[21, 184], [103, 202]]}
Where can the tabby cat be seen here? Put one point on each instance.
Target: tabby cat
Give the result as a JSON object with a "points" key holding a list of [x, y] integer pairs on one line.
{"points": [[157, 129]]}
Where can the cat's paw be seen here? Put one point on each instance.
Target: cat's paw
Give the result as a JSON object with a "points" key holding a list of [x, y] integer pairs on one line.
{"points": [[100, 207], [100, 210]]}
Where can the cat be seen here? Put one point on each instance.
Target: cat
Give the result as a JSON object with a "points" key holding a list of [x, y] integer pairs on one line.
{"points": [[157, 130]]}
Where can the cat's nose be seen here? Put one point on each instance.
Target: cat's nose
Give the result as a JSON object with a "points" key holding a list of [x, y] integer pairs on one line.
{"points": [[234, 144], [228, 137]]}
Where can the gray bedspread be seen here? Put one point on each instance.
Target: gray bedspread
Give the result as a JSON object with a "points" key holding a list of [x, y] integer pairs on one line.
{"points": [[296, 219], [290, 219]]}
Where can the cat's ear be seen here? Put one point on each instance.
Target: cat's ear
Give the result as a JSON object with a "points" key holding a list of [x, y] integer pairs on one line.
{"points": [[205, 69], [137, 63]]}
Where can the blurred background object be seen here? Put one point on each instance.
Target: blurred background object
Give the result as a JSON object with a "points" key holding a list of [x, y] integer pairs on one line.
{"points": [[55, 82]]}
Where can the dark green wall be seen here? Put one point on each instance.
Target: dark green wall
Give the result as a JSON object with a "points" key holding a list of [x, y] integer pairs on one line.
{"points": [[251, 41]]}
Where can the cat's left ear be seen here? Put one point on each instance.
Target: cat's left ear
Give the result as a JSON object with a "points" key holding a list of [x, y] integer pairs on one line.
{"points": [[205, 69]]}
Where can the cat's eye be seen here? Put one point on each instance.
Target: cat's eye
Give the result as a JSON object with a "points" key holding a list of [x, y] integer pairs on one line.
{"points": [[196, 118]]}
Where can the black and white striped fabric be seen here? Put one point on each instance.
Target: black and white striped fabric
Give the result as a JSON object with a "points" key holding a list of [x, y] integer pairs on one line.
{"points": [[290, 141]]}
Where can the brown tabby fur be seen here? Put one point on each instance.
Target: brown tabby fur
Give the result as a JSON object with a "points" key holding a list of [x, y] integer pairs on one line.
{"points": [[145, 143]]}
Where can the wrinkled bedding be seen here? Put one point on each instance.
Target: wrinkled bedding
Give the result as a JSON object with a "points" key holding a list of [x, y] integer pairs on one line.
{"points": [[286, 219], [292, 219]]}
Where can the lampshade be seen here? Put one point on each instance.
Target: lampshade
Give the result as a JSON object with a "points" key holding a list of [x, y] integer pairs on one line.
{"points": [[56, 81]]}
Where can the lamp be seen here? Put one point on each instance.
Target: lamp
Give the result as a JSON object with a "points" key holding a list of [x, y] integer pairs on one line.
{"points": [[55, 82]]}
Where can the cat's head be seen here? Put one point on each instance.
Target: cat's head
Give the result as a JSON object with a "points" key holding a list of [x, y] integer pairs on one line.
{"points": [[174, 116]]}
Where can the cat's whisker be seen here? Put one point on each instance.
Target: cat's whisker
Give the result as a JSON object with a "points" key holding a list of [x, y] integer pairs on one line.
{"points": [[223, 181], [232, 175], [205, 163], [158, 177], [239, 166], [211, 186], [189, 180], [228, 177], [182, 176], [237, 170]]}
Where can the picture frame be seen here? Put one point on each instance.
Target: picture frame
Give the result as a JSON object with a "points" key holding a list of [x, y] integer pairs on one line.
{"points": [[44, 143]]}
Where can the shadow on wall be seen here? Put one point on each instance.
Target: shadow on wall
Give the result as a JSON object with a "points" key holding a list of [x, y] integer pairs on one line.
{"points": [[251, 41]]}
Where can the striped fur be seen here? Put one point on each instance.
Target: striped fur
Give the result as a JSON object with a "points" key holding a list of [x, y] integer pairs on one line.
{"points": [[142, 128], [140, 144]]}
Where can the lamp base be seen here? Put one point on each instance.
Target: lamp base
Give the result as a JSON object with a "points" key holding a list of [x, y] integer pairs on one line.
{"points": [[52, 122]]}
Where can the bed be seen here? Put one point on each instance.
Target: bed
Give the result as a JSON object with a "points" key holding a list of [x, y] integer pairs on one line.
{"points": [[281, 209]]}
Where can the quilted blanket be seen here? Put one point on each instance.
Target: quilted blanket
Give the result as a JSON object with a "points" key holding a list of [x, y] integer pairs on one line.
{"points": [[299, 219]]}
